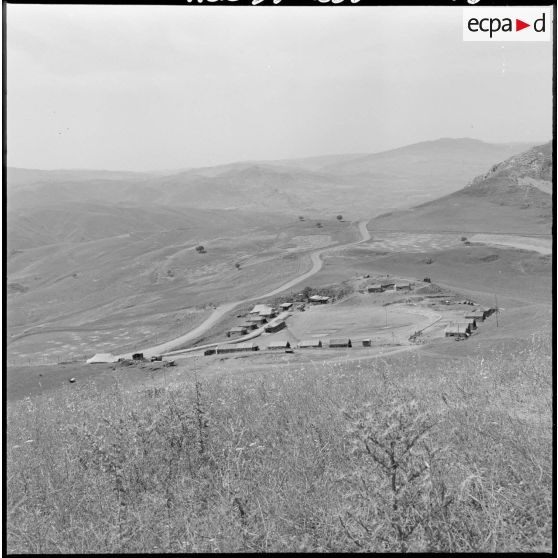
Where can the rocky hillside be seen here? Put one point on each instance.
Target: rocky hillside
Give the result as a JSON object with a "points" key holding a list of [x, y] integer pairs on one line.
{"points": [[522, 180], [513, 196]]}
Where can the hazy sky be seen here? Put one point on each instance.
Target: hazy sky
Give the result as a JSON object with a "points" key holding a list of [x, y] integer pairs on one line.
{"points": [[145, 87]]}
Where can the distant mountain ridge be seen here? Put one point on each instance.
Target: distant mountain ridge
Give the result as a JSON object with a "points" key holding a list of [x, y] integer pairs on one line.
{"points": [[354, 185]]}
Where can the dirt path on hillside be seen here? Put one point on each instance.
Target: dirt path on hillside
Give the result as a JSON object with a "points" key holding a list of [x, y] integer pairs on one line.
{"points": [[223, 309]]}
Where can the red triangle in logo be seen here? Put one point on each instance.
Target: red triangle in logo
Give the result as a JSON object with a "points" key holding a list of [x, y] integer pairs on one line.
{"points": [[519, 25]]}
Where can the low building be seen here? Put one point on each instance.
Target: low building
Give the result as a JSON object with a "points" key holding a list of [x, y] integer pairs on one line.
{"points": [[276, 345], [367, 342], [286, 305], [317, 299], [477, 315], [387, 284], [310, 344], [456, 331], [274, 325], [237, 332], [260, 308], [340, 342], [236, 348], [376, 288], [465, 326], [137, 356], [249, 325], [258, 320], [268, 313], [208, 352], [402, 286]]}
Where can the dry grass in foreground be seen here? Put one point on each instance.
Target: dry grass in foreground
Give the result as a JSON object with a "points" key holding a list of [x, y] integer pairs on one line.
{"points": [[333, 458]]}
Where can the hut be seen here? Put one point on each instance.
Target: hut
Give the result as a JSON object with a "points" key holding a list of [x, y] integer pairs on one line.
{"points": [[137, 356], [456, 331], [208, 352], [237, 331], [402, 286], [249, 325], [464, 326], [317, 299], [275, 345], [472, 323], [268, 313], [238, 348], [260, 308], [387, 283], [310, 344], [258, 320], [340, 342], [367, 342], [286, 305], [274, 325], [375, 288], [477, 315], [101, 358]]}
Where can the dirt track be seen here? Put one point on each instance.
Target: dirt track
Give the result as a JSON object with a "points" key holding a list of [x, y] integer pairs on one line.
{"points": [[220, 311]]}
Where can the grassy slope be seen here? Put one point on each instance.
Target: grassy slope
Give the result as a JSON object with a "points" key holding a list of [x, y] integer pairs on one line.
{"points": [[464, 215], [276, 460]]}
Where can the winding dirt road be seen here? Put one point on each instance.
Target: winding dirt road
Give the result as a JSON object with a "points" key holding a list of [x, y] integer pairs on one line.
{"points": [[223, 309]]}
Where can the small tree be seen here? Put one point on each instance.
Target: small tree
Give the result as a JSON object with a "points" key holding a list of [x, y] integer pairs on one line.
{"points": [[391, 443], [200, 249], [237, 265], [301, 218], [340, 217]]}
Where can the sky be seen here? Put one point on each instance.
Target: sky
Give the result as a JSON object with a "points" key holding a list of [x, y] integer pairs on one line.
{"points": [[162, 87]]}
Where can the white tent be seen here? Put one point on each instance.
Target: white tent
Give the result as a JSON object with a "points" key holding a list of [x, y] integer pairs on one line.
{"points": [[101, 357]]}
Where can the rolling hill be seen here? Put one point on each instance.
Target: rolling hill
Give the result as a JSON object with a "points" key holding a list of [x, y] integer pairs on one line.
{"points": [[75, 222], [354, 185], [513, 196]]}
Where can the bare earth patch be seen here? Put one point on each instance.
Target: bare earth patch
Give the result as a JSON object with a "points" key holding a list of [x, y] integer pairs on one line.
{"points": [[533, 243]]}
